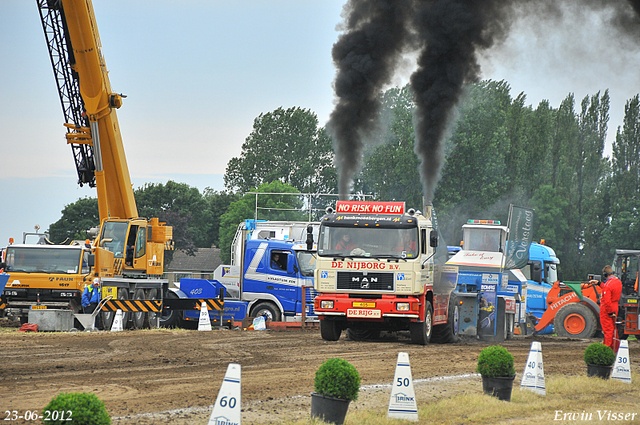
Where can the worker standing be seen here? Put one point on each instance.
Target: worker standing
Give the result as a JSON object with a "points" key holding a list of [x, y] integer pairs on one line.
{"points": [[91, 297], [611, 291]]}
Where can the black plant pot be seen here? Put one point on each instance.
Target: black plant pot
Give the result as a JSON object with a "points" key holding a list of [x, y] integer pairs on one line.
{"points": [[599, 371], [329, 409], [498, 387]]}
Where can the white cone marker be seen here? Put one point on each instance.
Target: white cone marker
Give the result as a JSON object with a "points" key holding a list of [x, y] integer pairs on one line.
{"points": [[402, 403], [533, 375], [117, 322], [622, 366], [204, 324], [227, 411]]}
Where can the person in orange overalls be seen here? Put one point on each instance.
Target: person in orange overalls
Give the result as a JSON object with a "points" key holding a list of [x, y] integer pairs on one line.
{"points": [[611, 291]]}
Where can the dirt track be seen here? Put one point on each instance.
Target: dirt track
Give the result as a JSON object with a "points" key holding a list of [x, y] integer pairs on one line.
{"points": [[173, 376]]}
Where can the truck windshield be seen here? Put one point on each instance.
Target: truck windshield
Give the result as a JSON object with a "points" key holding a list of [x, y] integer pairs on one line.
{"points": [[481, 239], [43, 260], [551, 272], [307, 262], [368, 242]]}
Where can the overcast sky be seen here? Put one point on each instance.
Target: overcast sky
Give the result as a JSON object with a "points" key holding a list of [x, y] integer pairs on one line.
{"points": [[198, 72]]}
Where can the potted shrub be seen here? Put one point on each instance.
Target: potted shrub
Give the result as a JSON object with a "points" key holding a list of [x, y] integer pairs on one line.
{"points": [[76, 408], [495, 365], [599, 359], [337, 382]]}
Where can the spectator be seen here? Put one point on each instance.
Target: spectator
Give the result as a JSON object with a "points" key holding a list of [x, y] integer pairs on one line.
{"points": [[91, 298], [611, 291]]}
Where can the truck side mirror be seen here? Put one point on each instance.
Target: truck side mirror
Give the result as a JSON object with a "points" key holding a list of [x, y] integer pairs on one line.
{"points": [[536, 272], [91, 260], [433, 239], [309, 238]]}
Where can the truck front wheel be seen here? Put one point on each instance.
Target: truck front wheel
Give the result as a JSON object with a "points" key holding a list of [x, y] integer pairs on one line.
{"points": [[448, 332], [266, 309], [421, 331], [330, 330]]}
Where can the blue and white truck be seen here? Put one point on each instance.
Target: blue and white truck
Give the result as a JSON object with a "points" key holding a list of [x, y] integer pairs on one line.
{"points": [[272, 267], [271, 274]]}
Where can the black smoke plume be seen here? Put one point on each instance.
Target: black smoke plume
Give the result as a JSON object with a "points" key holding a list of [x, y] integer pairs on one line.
{"points": [[366, 56], [451, 31], [449, 34]]}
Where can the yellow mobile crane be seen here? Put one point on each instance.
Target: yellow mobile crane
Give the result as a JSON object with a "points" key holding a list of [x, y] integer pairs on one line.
{"points": [[128, 252]]}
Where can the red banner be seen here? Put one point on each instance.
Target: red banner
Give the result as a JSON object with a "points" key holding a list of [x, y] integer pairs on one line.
{"points": [[368, 207]]}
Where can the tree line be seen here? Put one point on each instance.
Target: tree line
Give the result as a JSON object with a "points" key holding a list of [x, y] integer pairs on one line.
{"points": [[499, 151]]}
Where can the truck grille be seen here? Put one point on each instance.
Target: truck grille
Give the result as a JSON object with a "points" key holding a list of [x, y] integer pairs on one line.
{"points": [[365, 281]]}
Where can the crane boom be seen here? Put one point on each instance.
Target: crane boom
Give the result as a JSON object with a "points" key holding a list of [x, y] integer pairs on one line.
{"points": [[128, 252], [76, 34], [128, 245]]}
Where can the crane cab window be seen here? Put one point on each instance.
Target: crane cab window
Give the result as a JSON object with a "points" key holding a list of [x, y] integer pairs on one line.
{"points": [[141, 242], [113, 237]]}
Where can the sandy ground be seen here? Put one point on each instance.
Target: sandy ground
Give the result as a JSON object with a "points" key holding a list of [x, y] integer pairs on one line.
{"points": [[173, 376]]}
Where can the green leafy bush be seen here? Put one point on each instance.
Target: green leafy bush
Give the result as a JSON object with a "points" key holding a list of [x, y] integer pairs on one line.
{"points": [[599, 354], [76, 408], [495, 361], [337, 378]]}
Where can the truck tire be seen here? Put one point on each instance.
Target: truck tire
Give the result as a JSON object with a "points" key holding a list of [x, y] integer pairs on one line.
{"points": [[170, 318], [448, 333], [152, 317], [108, 316], [360, 334], [421, 331], [266, 309], [330, 330], [139, 318], [575, 320]]}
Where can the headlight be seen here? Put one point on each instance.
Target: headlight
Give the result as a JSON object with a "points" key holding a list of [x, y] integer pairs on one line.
{"points": [[326, 305], [402, 306]]}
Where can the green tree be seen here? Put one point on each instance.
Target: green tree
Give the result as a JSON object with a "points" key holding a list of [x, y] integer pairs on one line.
{"points": [[218, 203], [475, 177], [195, 217], [77, 218], [268, 207], [285, 145], [621, 196], [180, 206]]}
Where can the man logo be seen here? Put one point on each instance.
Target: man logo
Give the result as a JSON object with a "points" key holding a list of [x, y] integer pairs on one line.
{"points": [[364, 285]]}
